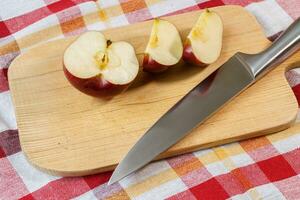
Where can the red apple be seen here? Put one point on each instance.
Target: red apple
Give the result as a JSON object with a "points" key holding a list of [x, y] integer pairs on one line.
{"points": [[204, 42], [99, 67], [164, 48]]}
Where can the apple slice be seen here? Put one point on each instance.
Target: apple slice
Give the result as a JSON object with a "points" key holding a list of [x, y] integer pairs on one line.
{"points": [[164, 48], [99, 67], [204, 42]]}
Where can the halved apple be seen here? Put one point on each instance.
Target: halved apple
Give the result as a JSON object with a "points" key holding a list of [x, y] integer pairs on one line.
{"points": [[99, 67], [204, 42], [164, 48]]}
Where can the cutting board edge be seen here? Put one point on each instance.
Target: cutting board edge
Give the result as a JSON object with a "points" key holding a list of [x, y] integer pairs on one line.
{"points": [[287, 127], [272, 130]]}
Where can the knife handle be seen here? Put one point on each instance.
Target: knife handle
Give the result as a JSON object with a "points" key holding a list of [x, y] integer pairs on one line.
{"points": [[284, 46]]}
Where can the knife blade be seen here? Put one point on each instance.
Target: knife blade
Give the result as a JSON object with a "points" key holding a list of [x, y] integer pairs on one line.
{"points": [[233, 77]]}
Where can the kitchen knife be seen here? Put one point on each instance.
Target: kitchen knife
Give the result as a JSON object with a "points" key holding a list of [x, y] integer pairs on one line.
{"points": [[234, 76]]}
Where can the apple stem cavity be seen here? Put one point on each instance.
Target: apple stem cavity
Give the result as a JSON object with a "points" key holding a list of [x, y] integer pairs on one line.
{"points": [[108, 43]]}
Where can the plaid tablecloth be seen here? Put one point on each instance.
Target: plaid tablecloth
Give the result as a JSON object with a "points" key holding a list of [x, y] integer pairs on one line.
{"points": [[262, 168]]}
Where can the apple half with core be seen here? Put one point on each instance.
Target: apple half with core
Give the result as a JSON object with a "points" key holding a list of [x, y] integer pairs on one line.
{"points": [[99, 67], [204, 42], [164, 48]]}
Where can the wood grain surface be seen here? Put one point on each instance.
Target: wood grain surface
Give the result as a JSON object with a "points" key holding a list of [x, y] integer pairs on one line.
{"points": [[65, 132]]}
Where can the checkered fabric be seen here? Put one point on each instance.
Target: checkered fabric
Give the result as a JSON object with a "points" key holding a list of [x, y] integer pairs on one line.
{"points": [[262, 168]]}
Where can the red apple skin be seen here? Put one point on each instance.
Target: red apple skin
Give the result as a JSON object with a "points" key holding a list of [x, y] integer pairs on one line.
{"points": [[95, 86], [150, 65], [189, 57]]}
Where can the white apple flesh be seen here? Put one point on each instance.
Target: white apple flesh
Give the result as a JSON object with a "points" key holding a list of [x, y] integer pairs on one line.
{"points": [[204, 42], [99, 67], [164, 48]]}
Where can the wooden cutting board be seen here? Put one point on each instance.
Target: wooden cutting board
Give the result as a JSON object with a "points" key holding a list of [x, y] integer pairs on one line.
{"points": [[66, 132]]}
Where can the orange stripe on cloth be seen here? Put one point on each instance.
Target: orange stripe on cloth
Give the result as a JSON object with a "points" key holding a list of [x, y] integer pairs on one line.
{"points": [[133, 5], [255, 143], [119, 195], [242, 178], [75, 24], [9, 48], [188, 166]]}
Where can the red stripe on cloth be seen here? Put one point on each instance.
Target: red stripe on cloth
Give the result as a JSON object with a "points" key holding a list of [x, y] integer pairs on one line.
{"points": [[292, 7], [209, 4], [263, 152], [253, 176], [60, 5], [27, 197], [4, 31], [240, 2], [244, 178], [210, 189], [296, 90], [293, 157], [64, 188], [96, 180], [11, 184], [9, 142], [276, 168], [287, 187], [20, 22], [234, 182], [3, 80]]}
